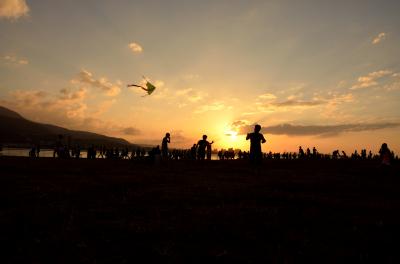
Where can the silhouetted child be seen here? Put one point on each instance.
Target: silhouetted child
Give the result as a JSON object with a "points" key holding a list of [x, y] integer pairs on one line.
{"points": [[256, 138]]}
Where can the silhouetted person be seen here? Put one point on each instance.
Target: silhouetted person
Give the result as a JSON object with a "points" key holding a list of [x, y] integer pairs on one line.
{"points": [[256, 139], [220, 155], [164, 145], [301, 152], [58, 147], [77, 152], [385, 155], [138, 153], [156, 153], [102, 152], [208, 149], [201, 148], [37, 150], [355, 155], [335, 154], [143, 152], [363, 154], [193, 151], [32, 152], [314, 152]]}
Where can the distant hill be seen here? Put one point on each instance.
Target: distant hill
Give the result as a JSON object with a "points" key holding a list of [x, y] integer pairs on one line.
{"points": [[18, 131], [9, 113]]}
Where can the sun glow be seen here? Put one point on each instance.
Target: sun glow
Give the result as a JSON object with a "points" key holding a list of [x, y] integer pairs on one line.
{"points": [[232, 139], [232, 135]]}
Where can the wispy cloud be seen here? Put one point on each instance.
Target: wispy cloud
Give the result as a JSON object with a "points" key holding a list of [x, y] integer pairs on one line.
{"points": [[178, 137], [14, 60], [381, 37], [394, 86], [13, 9], [135, 47], [67, 106], [190, 76], [131, 131], [267, 96], [68, 94], [298, 103], [287, 105], [215, 106], [269, 102], [191, 94], [243, 127], [103, 107], [110, 89], [370, 80]]}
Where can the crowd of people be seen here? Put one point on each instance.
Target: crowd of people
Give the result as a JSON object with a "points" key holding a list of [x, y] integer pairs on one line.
{"points": [[202, 150]]}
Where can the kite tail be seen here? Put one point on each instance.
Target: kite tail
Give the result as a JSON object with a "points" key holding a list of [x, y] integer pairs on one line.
{"points": [[135, 85]]}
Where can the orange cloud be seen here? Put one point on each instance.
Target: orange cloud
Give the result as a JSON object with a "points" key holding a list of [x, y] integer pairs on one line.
{"points": [[370, 79], [215, 106], [13, 9], [381, 37], [135, 47], [110, 89], [243, 127], [191, 95], [13, 60]]}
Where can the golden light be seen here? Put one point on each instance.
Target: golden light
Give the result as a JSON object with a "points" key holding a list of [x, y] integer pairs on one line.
{"points": [[226, 136], [232, 135]]}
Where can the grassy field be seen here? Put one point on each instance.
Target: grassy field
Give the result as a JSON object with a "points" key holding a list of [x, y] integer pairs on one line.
{"points": [[120, 211]]}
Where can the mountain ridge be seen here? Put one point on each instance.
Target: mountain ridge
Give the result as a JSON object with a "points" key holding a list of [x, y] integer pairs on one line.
{"points": [[17, 130]]}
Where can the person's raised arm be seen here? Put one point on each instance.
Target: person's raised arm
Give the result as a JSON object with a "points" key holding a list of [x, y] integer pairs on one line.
{"points": [[263, 139]]}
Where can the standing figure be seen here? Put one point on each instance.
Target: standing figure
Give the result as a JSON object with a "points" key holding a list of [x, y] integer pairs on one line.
{"points": [[209, 150], [314, 152], [385, 155], [301, 152], [164, 146], [256, 138], [193, 152], [37, 150], [201, 147]]}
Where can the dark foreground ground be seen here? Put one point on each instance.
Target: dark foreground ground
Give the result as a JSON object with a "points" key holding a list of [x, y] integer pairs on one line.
{"points": [[102, 211]]}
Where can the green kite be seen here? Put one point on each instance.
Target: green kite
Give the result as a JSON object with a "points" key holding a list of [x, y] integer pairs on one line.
{"points": [[149, 87]]}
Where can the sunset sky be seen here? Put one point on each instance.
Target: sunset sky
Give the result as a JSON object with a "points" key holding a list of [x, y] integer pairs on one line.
{"points": [[312, 73]]}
